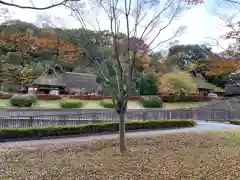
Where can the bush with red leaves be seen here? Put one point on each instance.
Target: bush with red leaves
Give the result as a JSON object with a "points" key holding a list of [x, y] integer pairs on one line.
{"points": [[48, 97], [5, 95], [99, 97]]}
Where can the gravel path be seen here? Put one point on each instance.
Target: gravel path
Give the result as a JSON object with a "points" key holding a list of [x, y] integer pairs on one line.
{"points": [[201, 127]]}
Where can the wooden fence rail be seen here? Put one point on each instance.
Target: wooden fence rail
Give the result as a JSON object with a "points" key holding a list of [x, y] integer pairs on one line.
{"points": [[92, 118]]}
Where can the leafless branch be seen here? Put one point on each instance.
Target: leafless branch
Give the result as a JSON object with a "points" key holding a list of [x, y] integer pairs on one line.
{"points": [[78, 14], [232, 23], [175, 35], [233, 1], [227, 20], [34, 7], [156, 19], [214, 42]]}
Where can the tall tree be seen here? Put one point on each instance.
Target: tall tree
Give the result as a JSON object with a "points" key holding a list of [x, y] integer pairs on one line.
{"points": [[136, 14], [181, 55]]}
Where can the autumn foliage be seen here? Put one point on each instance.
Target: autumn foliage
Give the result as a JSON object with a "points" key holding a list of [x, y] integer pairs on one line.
{"points": [[67, 51], [4, 95], [175, 81], [218, 67], [48, 97], [99, 97], [173, 156]]}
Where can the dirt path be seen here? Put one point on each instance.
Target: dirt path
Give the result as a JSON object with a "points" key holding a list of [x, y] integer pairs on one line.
{"points": [[201, 127]]}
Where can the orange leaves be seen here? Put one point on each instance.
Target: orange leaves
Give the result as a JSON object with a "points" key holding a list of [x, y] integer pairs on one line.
{"points": [[218, 67], [67, 46], [142, 60], [68, 57], [69, 50], [176, 156], [44, 42]]}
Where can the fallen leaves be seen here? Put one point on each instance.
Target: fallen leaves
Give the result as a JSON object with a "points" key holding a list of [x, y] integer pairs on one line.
{"points": [[182, 156]]}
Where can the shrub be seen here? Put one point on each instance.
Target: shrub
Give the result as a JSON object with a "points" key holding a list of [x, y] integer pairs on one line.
{"points": [[36, 133], [48, 97], [34, 98], [89, 97], [152, 102], [148, 86], [99, 97], [182, 93], [107, 103], [22, 100], [71, 103], [4, 95], [135, 97], [236, 122], [172, 97]]}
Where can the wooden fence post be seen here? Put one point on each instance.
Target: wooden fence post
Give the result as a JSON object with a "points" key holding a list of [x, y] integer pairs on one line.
{"points": [[31, 121], [144, 115]]}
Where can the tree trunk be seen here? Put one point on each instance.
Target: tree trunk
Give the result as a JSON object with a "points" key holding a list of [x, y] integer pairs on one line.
{"points": [[123, 147]]}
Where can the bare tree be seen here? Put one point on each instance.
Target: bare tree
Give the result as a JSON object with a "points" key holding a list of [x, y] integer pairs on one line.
{"points": [[141, 21], [232, 24]]}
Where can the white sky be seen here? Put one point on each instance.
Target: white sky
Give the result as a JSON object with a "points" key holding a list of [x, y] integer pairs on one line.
{"points": [[200, 22]]}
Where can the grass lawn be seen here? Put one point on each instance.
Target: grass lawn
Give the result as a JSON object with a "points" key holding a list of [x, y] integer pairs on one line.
{"points": [[92, 104], [184, 105], [181, 156]]}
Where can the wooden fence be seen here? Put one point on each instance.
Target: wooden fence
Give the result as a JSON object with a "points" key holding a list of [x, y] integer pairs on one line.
{"points": [[92, 118]]}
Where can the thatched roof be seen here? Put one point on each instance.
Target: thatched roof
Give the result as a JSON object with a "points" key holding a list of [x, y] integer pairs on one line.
{"points": [[51, 78], [57, 77], [202, 82]]}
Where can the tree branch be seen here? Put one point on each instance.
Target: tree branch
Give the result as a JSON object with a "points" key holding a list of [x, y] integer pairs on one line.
{"points": [[36, 8], [233, 1]]}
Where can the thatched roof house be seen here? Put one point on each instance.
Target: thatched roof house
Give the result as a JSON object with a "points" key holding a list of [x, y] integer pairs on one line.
{"points": [[56, 77], [202, 84]]}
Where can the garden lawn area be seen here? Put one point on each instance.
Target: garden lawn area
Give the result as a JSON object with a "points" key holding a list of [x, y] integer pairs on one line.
{"points": [[188, 156], [94, 104], [183, 105]]}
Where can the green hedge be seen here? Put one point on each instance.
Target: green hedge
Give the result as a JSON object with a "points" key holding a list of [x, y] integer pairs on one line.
{"points": [[152, 102], [236, 122], [71, 103], [33, 97], [177, 97], [37, 133], [107, 103], [23, 100]]}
